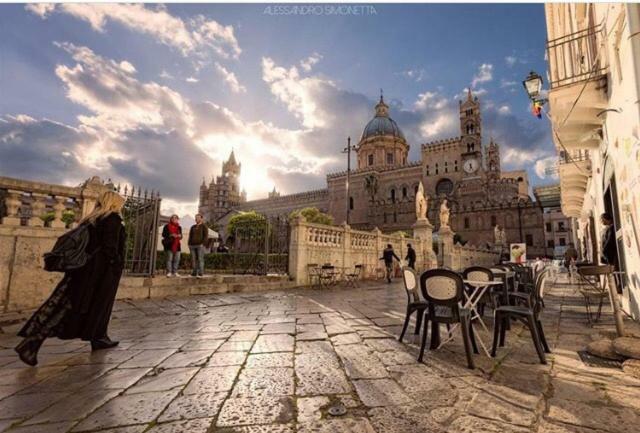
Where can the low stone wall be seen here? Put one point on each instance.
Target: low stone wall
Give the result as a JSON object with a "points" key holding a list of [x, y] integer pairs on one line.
{"points": [[458, 257], [160, 287], [23, 281], [344, 248]]}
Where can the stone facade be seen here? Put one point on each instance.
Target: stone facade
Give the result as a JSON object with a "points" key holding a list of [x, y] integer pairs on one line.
{"points": [[461, 170]]}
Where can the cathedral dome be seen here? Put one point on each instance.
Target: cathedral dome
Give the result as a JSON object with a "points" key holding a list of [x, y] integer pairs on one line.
{"points": [[382, 124]]}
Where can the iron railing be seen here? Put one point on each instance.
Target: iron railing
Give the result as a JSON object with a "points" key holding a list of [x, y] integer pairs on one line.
{"points": [[575, 58]]}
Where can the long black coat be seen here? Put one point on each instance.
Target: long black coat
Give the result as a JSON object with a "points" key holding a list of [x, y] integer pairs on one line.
{"points": [[80, 305]]}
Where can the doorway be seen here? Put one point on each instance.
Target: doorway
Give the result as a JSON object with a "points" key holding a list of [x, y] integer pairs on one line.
{"points": [[612, 208]]}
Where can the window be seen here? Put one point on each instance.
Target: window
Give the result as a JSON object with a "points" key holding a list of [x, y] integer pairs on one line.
{"points": [[469, 112], [427, 170], [551, 244], [395, 217], [469, 129], [548, 227], [436, 168], [528, 240], [415, 190], [446, 168], [561, 226], [494, 221], [404, 192], [389, 158], [466, 223], [455, 168], [393, 195], [444, 186], [350, 203], [385, 218], [562, 241], [370, 159]]}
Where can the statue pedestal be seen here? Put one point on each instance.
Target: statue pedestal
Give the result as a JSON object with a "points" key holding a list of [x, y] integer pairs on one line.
{"points": [[423, 230], [445, 250]]}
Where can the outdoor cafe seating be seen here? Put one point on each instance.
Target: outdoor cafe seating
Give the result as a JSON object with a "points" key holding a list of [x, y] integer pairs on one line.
{"points": [[459, 299]]}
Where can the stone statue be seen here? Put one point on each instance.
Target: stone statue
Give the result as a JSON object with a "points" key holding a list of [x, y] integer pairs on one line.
{"points": [[497, 235], [503, 236], [444, 214], [421, 203]]}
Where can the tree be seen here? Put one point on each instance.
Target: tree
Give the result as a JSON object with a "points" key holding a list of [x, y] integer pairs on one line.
{"points": [[247, 225], [371, 185], [312, 215]]}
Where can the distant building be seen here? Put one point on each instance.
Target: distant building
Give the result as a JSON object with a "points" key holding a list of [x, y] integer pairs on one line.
{"points": [[383, 185], [559, 229], [223, 193]]}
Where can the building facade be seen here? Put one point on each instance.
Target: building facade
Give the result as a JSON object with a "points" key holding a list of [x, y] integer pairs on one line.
{"points": [[460, 170], [594, 98], [223, 193]]}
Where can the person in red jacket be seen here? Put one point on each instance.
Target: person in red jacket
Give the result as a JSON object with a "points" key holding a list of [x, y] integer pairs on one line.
{"points": [[171, 236]]}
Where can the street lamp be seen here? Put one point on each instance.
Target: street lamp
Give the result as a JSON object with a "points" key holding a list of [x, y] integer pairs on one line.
{"points": [[533, 86], [347, 150]]}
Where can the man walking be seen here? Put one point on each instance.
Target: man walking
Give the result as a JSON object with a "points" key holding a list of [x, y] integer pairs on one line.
{"points": [[411, 257], [198, 235], [388, 255]]}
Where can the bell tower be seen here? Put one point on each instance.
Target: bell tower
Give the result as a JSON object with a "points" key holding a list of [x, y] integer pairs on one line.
{"points": [[470, 131], [493, 160]]}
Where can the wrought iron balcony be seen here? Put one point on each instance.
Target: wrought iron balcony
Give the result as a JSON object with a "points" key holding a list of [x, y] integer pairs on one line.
{"points": [[570, 157], [576, 57]]}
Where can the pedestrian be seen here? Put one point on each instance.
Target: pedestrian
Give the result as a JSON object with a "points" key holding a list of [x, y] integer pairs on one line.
{"points": [[171, 237], [570, 254], [608, 250], [411, 256], [80, 305], [198, 236], [388, 255]]}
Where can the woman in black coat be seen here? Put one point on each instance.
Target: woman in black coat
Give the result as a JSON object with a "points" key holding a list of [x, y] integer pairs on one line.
{"points": [[80, 305]]}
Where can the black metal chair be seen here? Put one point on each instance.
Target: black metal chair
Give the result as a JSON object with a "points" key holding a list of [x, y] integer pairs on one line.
{"points": [[444, 292], [414, 303], [592, 286], [527, 314], [352, 278]]}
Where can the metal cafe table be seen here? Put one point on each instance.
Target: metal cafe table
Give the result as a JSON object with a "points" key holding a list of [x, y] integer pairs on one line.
{"points": [[478, 289]]}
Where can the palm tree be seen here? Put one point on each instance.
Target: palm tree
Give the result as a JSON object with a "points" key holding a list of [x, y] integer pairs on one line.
{"points": [[371, 185]]}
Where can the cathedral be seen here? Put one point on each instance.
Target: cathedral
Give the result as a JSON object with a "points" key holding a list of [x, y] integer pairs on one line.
{"points": [[382, 187]]}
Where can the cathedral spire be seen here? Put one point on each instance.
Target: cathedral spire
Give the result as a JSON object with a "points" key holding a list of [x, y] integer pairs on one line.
{"points": [[382, 109], [469, 97]]}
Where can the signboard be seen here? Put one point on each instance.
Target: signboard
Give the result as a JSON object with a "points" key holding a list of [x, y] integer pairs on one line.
{"points": [[518, 253]]}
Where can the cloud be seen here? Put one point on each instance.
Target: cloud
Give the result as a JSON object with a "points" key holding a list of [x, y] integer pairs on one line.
{"points": [[197, 36], [307, 64], [484, 74], [544, 167], [512, 60], [504, 109], [507, 83], [416, 75], [165, 75], [191, 80], [230, 78]]}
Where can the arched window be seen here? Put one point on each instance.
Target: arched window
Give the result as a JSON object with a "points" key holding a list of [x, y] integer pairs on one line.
{"points": [[520, 179], [446, 167], [466, 223], [371, 159], [455, 166], [350, 203], [404, 192], [393, 195], [436, 168], [415, 190], [395, 217], [494, 220], [427, 170]]}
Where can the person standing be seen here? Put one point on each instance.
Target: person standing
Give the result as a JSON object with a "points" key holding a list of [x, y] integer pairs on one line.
{"points": [[609, 252], [80, 305], [171, 236], [411, 256], [388, 255], [198, 235]]}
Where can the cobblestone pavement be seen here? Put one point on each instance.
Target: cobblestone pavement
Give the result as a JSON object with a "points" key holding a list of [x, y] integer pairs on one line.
{"points": [[275, 362]]}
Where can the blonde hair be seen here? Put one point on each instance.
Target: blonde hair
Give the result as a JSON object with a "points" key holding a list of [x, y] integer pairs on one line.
{"points": [[109, 202]]}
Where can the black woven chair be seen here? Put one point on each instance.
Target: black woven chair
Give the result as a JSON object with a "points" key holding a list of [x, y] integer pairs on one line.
{"points": [[527, 314], [414, 303], [444, 292]]}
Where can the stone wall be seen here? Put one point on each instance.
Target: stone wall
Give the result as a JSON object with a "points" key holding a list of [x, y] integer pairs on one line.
{"points": [[344, 248]]}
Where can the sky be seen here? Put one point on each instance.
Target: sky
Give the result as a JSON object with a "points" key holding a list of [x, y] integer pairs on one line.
{"points": [[158, 95]]}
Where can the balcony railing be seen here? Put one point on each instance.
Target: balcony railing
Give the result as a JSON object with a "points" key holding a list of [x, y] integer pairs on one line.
{"points": [[574, 58], [570, 157]]}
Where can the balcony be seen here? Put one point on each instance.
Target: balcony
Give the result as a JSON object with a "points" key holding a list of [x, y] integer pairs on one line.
{"points": [[578, 87]]}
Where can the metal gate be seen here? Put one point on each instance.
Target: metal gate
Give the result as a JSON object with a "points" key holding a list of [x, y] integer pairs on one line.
{"points": [[141, 212], [261, 248]]}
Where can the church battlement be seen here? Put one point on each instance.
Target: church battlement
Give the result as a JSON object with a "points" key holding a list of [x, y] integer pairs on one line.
{"points": [[343, 173], [306, 195], [439, 145]]}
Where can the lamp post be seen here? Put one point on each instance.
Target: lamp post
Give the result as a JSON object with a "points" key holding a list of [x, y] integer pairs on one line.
{"points": [[533, 86], [347, 150]]}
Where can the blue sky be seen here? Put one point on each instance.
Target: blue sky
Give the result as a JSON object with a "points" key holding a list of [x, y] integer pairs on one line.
{"points": [[158, 95]]}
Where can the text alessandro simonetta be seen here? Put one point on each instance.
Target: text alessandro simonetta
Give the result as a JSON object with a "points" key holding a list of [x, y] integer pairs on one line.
{"points": [[317, 10]]}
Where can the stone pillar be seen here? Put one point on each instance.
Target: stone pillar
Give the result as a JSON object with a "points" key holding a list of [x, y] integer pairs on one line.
{"points": [[298, 251], [13, 203], [379, 248], [37, 210], [445, 235], [58, 209], [423, 230]]}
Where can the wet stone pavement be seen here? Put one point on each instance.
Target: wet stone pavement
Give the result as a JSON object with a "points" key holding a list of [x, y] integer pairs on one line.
{"points": [[276, 362]]}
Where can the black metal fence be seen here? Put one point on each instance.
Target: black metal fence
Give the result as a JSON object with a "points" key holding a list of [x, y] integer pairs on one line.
{"points": [[141, 212], [260, 247]]}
